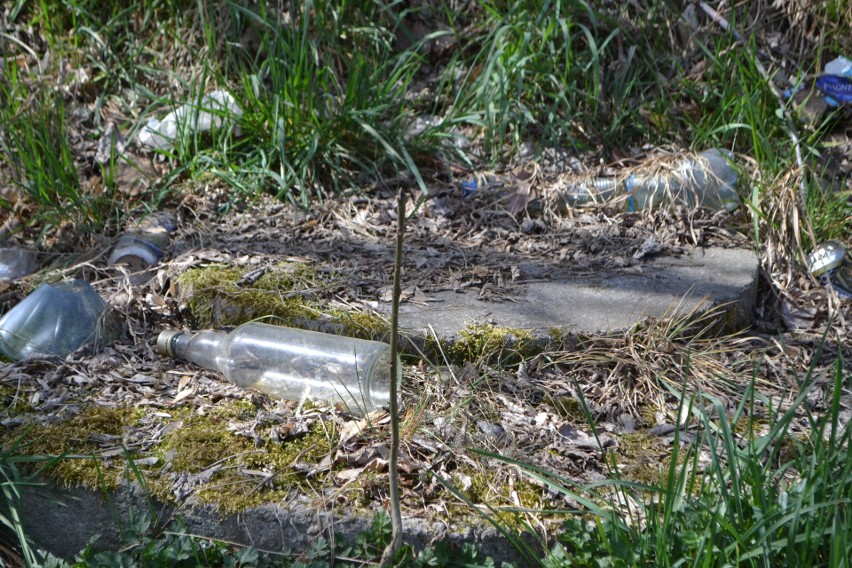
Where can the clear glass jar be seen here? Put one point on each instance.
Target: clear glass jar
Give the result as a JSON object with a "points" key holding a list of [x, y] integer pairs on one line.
{"points": [[55, 320]]}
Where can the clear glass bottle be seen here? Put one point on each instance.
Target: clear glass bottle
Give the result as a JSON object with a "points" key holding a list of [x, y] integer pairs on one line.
{"points": [[291, 363]]}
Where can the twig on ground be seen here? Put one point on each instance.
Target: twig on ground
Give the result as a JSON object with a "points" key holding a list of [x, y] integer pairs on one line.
{"points": [[393, 478]]}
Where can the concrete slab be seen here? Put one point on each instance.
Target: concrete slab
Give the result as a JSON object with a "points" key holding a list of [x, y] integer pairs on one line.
{"points": [[558, 299], [64, 521]]}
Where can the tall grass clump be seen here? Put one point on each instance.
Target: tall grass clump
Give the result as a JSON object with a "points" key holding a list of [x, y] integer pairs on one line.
{"points": [[741, 112], [565, 73], [768, 494], [324, 103], [792, 203], [36, 148], [130, 50]]}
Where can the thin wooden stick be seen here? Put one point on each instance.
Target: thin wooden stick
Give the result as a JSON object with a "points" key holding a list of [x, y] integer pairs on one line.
{"points": [[393, 480]]}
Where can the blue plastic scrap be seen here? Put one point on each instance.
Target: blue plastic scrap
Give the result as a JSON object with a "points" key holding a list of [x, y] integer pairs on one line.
{"points": [[468, 188], [835, 83], [837, 90]]}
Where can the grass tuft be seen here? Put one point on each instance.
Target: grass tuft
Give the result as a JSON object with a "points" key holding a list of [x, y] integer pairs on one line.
{"points": [[779, 498]]}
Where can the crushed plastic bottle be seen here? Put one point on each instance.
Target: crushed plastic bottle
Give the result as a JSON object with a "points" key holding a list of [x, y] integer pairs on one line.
{"points": [[837, 91], [703, 180], [289, 363], [590, 191], [214, 110], [830, 263], [56, 320], [836, 82], [142, 246]]}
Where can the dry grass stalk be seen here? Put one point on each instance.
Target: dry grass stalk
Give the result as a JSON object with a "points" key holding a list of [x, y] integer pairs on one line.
{"points": [[656, 357]]}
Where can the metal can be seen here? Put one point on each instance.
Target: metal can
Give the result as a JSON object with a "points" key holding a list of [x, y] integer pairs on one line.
{"points": [[143, 246], [833, 267]]}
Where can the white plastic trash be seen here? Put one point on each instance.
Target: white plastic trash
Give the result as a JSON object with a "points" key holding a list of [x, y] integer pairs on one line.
{"points": [[214, 110], [842, 67]]}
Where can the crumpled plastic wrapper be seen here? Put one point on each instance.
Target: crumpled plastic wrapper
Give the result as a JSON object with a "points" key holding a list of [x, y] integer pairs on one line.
{"points": [[215, 109]]}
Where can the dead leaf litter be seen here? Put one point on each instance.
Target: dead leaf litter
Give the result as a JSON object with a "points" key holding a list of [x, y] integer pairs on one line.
{"points": [[530, 413]]}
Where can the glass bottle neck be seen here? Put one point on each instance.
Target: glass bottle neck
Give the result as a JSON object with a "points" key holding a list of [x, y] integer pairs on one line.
{"points": [[202, 348]]}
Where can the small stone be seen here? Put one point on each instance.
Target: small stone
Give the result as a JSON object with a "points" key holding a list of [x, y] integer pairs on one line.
{"points": [[662, 430], [568, 431], [626, 423]]}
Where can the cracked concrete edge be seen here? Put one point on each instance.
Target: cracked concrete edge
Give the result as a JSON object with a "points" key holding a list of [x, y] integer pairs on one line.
{"points": [[552, 302], [570, 306], [64, 521]]}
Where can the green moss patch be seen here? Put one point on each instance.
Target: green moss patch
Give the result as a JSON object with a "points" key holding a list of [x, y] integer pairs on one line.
{"points": [[199, 443], [643, 457], [237, 470], [240, 471], [489, 344], [216, 298], [363, 325], [286, 295], [503, 495], [11, 399], [81, 441]]}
